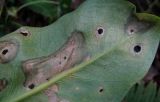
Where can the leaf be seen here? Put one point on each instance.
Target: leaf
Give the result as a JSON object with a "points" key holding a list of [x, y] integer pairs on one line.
{"points": [[140, 93], [46, 8], [107, 53]]}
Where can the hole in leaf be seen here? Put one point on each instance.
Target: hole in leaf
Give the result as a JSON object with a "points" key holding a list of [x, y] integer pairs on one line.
{"points": [[101, 90], [31, 86], [132, 31], [24, 34], [5, 51], [65, 57], [24, 31], [100, 31], [137, 48], [8, 51]]}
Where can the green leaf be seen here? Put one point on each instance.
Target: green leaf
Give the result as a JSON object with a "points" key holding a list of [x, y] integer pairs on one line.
{"points": [[46, 8], [140, 93], [108, 48]]}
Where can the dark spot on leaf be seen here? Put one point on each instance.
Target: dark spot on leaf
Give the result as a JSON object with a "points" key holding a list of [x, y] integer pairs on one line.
{"points": [[137, 48], [5, 51], [101, 90], [31, 86], [100, 31], [65, 57], [132, 31], [24, 31], [60, 63], [24, 34]]}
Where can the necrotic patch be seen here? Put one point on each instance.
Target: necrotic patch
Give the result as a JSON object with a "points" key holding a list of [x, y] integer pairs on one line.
{"points": [[40, 70]]}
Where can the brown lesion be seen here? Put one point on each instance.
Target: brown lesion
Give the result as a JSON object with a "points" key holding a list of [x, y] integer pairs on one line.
{"points": [[8, 51], [3, 84], [41, 69]]}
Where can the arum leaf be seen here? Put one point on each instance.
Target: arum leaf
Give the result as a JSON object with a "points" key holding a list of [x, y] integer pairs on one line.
{"points": [[94, 54]]}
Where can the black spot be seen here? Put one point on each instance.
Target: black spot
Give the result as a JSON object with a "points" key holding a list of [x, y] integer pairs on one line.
{"points": [[137, 48], [101, 90], [60, 63], [132, 31], [24, 34], [100, 31], [31, 86], [65, 57], [5, 51]]}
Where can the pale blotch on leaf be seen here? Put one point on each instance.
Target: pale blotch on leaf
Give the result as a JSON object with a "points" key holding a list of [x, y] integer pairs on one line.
{"points": [[3, 84], [29, 64], [40, 70], [77, 88], [8, 51]]}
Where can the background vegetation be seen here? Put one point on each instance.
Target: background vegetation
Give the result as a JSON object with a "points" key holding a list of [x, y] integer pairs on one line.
{"points": [[37, 13]]}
